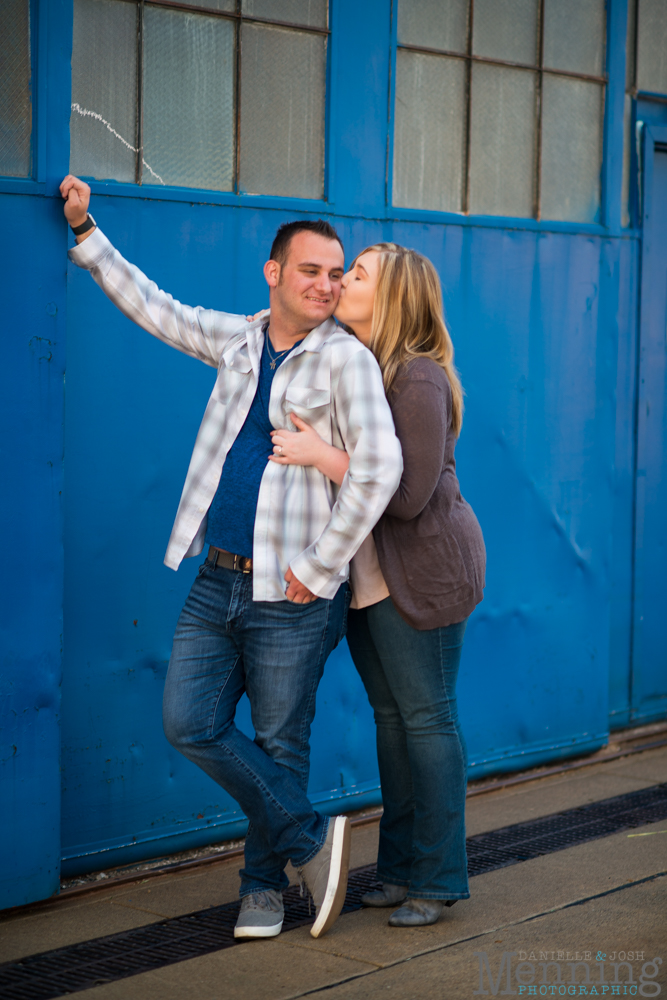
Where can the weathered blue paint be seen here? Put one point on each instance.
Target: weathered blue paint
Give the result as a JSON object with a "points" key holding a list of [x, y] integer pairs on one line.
{"points": [[621, 569], [649, 652], [535, 318], [544, 319], [31, 606], [612, 167], [629, 681], [31, 395]]}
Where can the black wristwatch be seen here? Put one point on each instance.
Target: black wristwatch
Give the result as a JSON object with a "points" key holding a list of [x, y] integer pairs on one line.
{"points": [[85, 226]]}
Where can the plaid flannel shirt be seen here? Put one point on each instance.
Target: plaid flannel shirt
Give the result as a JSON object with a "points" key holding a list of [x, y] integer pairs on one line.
{"points": [[330, 380]]}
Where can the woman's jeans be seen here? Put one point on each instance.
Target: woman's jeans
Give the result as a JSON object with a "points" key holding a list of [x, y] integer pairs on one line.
{"points": [[225, 644], [410, 677]]}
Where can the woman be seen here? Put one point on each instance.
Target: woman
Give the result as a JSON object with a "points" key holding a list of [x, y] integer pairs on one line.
{"points": [[415, 582]]}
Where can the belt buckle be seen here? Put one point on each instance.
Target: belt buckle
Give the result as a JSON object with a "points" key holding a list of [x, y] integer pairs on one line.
{"points": [[240, 563]]}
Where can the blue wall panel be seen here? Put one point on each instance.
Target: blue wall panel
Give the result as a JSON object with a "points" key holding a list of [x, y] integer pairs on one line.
{"points": [[544, 323], [133, 408], [620, 644], [359, 97], [535, 320], [649, 653], [31, 452], [529, 318]]}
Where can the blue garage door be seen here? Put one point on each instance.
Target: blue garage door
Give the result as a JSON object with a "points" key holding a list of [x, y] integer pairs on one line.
{"points": [[649, 668]]}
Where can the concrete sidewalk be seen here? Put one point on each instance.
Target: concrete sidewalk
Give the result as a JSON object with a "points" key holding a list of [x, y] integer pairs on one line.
{"points": [[604, 898]]}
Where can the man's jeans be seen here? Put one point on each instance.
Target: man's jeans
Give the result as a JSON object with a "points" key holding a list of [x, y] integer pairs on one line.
{"points": [[225, 644], [410, 677]]}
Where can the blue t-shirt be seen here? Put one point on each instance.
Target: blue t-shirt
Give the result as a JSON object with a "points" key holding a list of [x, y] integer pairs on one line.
{"points": [[231, 516]]}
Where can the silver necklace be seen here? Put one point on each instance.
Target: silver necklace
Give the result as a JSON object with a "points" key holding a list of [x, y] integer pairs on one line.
{"points": [[274, 358]]}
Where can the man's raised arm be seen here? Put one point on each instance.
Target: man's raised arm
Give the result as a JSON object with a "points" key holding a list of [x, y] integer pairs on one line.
{"points": [[201, 333]]}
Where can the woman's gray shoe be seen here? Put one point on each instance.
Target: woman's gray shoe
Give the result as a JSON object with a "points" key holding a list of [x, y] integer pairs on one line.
{"points": [[326, 874], [261, 915], [417, 913], [388, 895]]}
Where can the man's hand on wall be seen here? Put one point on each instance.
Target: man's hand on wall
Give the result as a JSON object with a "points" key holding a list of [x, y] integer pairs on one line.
{"points": [[77, 198]]}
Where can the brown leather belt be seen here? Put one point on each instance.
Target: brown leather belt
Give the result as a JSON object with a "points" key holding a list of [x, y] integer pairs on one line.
{"points": [[228, 560]]}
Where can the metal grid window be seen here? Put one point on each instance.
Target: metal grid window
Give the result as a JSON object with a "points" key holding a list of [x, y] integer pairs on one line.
{"points": [[646, 73], [499, 107], [650, 46], [227, 95], [15, 83]]}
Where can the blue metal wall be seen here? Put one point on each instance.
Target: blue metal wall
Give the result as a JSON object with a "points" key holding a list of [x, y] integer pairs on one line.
{"points": [[633, 698], [31, 607], [31, 449], [544, 322], [535, 318], [649, 648]]}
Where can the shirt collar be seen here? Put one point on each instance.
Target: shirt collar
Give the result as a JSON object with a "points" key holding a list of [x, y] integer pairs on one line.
{"points": [[312, 342], [253, 341]]}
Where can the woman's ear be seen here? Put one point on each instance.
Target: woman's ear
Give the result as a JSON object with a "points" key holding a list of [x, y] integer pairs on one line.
{"points": [[272, 273]]}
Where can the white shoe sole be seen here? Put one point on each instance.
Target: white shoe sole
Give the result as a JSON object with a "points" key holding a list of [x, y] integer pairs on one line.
{"points": [[337, 883], [258, 932]]}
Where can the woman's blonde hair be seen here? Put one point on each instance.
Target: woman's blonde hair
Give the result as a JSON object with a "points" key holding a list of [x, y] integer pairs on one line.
{"points": [[408, 319]]}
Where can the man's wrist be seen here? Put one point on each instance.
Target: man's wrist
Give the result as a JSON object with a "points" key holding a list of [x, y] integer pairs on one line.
{"points": [[79, 227]]}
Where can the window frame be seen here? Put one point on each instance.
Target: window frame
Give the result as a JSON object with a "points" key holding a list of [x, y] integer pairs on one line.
{"points": [[637, 126], [635, 92], [615, 9], [237, 197]]}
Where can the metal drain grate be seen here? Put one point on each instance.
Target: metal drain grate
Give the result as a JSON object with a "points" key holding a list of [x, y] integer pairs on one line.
{"points": [[523, 841], [102, 960]]}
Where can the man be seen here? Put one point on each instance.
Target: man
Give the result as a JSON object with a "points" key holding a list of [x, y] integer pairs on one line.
{"points": [[270, 601]]}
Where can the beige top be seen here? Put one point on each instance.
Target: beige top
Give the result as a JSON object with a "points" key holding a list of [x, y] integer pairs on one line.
{"points": [[366, 579]]}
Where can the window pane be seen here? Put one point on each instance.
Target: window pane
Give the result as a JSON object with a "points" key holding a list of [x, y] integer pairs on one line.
{"points": [[506, 29], [312, 12], [571, 149], [188, 121], [429, 132], [282, 138], [652, 46], [502, 141], [434, 24], [630, 45], [103, 124], [15, 106], [574, 34]]}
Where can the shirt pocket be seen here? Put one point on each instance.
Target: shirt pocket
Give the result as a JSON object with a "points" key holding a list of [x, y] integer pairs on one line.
{"points": [[313, 405], [232, 379]]}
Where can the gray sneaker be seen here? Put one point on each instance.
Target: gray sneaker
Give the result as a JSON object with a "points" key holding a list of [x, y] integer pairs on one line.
{"points": [[388, 895], [261, 915], [325, 875]]}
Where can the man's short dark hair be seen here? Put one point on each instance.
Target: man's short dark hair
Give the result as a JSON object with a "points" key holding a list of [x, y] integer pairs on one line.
{"points": [[288, 230]]}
